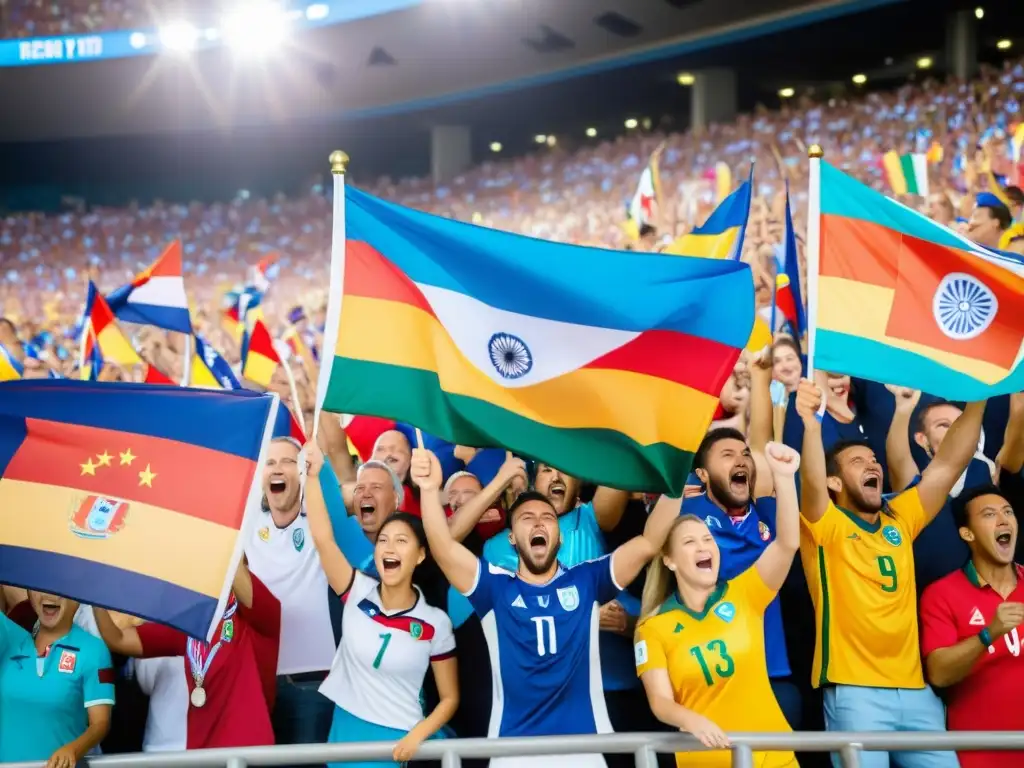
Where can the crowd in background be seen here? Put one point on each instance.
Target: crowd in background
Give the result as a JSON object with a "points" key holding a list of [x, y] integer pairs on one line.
{"points": [[892, 440]]}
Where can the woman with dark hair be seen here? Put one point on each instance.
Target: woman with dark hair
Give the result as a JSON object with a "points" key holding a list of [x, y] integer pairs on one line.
{"points": [[390, 635]]}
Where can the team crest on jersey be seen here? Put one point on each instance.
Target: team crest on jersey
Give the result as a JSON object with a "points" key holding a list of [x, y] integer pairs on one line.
{"points": [[264, 533], [712, 522], [227, 632], [568, 598], [726, 612], [892, 535], [298, 539], [415, 630], [67, 662], [640, 652], [763, 531], [977, 619]]}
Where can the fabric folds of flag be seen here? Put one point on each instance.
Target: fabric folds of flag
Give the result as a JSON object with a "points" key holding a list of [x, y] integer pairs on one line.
{"points": [[641, 210], [788, 301], [907, 174], [141, 495], [903, 300], [721, 236], [259, 357], [104, 341], [486, 338], [154, 375], [11, 368], [209, 369], [156, 296]]}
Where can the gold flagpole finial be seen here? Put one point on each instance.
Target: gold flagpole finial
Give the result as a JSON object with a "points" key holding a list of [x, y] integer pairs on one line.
{"points": [[339, 162], [816, 151]]}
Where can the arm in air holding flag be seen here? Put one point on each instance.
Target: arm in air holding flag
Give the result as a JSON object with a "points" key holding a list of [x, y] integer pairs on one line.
{"points": [[902, 467], [955, 453], [336, 567]]}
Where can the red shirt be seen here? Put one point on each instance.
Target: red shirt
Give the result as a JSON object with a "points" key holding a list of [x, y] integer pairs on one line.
{"points": [[242, 678], [954, 608]]}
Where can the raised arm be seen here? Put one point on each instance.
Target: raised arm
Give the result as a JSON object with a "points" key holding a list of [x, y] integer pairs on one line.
{"points": [[1011, 455], [774, 563], [609, 505], [813, 480], [334, 443], [902, 467], [458, 564], [469, 514], [125, 641], [957, 449], [631, 557], [762, 419], [336, 567]]}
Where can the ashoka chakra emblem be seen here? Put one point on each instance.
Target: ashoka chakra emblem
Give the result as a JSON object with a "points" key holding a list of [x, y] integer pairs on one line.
{"points": [[510, 356], [964, 307]]}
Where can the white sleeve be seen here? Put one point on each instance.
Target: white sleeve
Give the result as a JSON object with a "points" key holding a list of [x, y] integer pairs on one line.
{"points": [[443, 644]]}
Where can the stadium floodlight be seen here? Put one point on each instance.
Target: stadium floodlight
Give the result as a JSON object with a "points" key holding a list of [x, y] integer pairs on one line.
{"points": [[1004, 45], [552, 141], [495, 146], [859, 79], [255, 29], [631, 123], [540, 138], [924, 62], [591, 133], [178, 36], [686, 79], [137, 40], [317, 11], [787, 93], [979, 12]]}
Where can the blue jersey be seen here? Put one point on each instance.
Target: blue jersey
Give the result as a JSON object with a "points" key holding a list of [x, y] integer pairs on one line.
{"points": [[741, 544], [543, 642]]}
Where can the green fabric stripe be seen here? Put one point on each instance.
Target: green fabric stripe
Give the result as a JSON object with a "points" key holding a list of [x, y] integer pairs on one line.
{"points": [[826, 611], [907, 164], [415, 396]]}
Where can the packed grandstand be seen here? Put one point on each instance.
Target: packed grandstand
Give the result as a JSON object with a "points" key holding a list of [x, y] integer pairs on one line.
{"points": [[885, 599]]}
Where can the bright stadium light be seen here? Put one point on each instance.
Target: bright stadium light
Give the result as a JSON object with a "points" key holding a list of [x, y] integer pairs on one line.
{"points": [[540, 138], [317, 11], [786, 93], [137, 40], [685, 79], [255, 30], [924, 62], [631, 123], [178, 36], [591, 133], [859, 79], [552, 141], [979, 12], [495, 146], [1004, 45]]}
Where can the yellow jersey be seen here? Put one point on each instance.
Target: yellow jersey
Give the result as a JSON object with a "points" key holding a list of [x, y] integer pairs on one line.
{"points": [[861, 578], [716, 664]]}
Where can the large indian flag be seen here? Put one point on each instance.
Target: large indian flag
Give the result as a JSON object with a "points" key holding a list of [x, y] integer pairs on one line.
{"points": [[607, 365]]}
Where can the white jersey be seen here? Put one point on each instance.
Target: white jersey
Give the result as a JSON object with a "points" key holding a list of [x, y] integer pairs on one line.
{"points": [[162, 680], [378, 672], [286, 561]]}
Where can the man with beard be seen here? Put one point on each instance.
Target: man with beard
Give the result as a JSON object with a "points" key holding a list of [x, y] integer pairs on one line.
{"points": [[738, 508], [857, 556], [540, 619], [970, 625]]}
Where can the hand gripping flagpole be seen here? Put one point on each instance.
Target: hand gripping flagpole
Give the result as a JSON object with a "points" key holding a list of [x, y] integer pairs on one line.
{"points": [[813, 255], [339, 166]]}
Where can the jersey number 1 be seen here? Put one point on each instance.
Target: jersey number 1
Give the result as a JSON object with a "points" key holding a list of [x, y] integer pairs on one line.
{"points": [[546, 641]]}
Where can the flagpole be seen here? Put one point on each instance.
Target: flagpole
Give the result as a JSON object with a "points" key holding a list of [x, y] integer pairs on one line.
{"points": [[336, 290], [296, 403], [186, 377], [813, 249]]}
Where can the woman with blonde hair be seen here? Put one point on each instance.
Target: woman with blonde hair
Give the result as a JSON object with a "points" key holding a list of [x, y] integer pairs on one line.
{"points": [[700, 641]]}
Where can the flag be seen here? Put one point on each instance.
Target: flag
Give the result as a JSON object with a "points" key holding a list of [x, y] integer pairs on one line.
{"points": [[154, 375], [907, 174], [560, 369], [241, 308], [259, 358], [721, 236], [209, 369], [156, 296], [298, 347], [104, 341], [10, 368], [265, 271], [287, 425], [640, 212], [788, 299], [1017, 144], [905, 301], [142, 496]]}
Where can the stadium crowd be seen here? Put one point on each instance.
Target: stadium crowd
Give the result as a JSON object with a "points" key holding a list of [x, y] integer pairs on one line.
{"points": [[355, 595]]}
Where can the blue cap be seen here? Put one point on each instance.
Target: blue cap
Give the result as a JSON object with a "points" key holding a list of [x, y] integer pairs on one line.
{"points": [[989, 200]]}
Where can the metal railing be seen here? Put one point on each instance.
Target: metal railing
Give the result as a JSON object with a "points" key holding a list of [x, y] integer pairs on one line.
{"points": [[643, 746]]}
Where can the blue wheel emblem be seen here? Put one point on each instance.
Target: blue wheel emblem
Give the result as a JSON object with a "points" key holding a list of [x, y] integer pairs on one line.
{"points": [[510, 356], [964, 307]]}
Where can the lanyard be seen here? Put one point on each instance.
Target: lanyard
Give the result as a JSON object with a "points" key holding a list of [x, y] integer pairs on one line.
{"points": [[201, 655]]}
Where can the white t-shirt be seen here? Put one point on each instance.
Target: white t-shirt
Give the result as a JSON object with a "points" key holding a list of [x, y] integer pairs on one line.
{"points": [[286, 561], [378, 672], [163, 680]]}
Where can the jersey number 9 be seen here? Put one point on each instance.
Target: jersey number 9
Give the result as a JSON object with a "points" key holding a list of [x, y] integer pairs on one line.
{"points": [[887, 567]]}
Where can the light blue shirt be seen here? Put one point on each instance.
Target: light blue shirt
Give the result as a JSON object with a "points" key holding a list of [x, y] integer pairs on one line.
{"points": [[43, 702]]}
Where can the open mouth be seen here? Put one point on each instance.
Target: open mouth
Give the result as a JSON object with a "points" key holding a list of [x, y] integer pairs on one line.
{"points": [[50, 609], [739, 481], [704, 563], [391, 563], [538, 542], [277, 485], [1004, 539], [366, 511], [556, 491], [873, 481]]}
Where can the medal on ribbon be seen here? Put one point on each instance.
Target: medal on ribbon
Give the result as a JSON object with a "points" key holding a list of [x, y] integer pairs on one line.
{"points": [[201, 656]]}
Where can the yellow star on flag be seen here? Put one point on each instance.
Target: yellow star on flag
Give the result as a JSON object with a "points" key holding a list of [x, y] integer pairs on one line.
{"points": [[88, 468], [127, 458], [146, 477], [104, 459]]}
